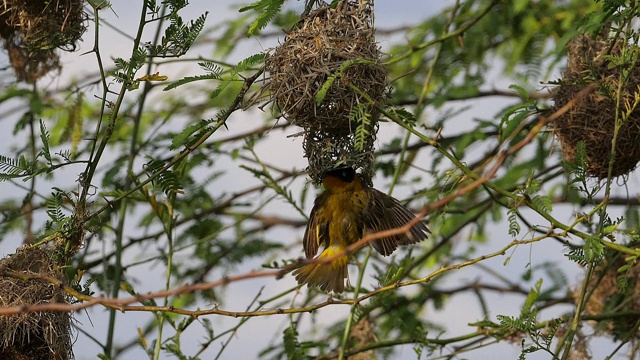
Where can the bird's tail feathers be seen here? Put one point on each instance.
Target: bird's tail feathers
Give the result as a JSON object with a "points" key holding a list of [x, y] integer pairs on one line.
{"points": [[327, 276]]}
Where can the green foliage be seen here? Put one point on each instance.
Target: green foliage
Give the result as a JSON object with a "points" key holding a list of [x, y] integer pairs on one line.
{"points": [[268, 9], [542, 338], [291, 345], [191, 134], [361, 116], [577, 254], [186, 138], [54, 207], [179, 37], [248, 63], [150, 179], [212, 69], [514, 117], [514, 227], [177, 40], [44, 136], [125, 70], [402, 115], [322, 92], [542, 203], [166, 179], [527, 320], [13, 168], [593, 249]]}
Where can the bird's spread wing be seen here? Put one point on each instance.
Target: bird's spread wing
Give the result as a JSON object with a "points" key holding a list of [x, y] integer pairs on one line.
{"points": [[385, 213], [317, 231]]}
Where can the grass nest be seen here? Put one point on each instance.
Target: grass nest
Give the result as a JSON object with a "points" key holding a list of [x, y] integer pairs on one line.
{"points": [[615, 291], [30, 66], [33, 335], [592, 118], [326, 55], [33, 29], [44, 24], [325, 150]]}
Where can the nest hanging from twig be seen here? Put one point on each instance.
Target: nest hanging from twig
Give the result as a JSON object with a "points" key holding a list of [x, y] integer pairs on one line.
{"points": [[33, 335], [326, 64], [32, 30], [592, 118]]}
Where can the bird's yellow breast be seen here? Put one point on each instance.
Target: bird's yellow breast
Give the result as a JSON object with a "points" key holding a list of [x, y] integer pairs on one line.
{"points": [[344, 210]]}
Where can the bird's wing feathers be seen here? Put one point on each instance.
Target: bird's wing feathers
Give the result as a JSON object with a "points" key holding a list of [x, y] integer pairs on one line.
{"points": [[317, 231], [385, 212]]}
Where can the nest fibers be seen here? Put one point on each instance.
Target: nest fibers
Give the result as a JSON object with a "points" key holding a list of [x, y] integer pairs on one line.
{"points": [[33, 335], [592, 118], [327, 150], [615, 292], [328, 53], [33, 29]]}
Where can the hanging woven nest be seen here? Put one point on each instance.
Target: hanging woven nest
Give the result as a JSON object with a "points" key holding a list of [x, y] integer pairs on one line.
{"points": [[32, 30], [615, 292], [326, 150], [33, 335], [328, 65], [592, 118], [30, 66], [44, 24]]}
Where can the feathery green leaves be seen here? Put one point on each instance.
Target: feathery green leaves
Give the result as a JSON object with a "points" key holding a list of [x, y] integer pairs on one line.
{"points": [[292, 346], [214, 74], [45, 136], [268, 9], [13, 168], [514, 227], [322, 92], [166, 179], [361, 118]]}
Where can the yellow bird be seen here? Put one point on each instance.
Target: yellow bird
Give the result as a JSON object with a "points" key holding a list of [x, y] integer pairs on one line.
{"points": [[347, 210]]}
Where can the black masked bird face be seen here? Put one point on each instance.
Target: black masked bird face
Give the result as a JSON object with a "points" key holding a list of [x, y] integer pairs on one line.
{"points": [[346, 174]]}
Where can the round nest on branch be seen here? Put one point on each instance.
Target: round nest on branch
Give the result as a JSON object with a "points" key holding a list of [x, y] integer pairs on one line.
{"points": [[328, 64], [33, 335], [30, 66], [592, 118], [32, 31], [615, 292], [43, 24], [326, 150]]}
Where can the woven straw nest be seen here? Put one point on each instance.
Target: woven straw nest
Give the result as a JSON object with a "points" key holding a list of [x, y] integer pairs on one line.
{"points": [[613, 293], [33, 335], [31, 66], [592, 118], [328, 44], [327, 150], [32, 30]]}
